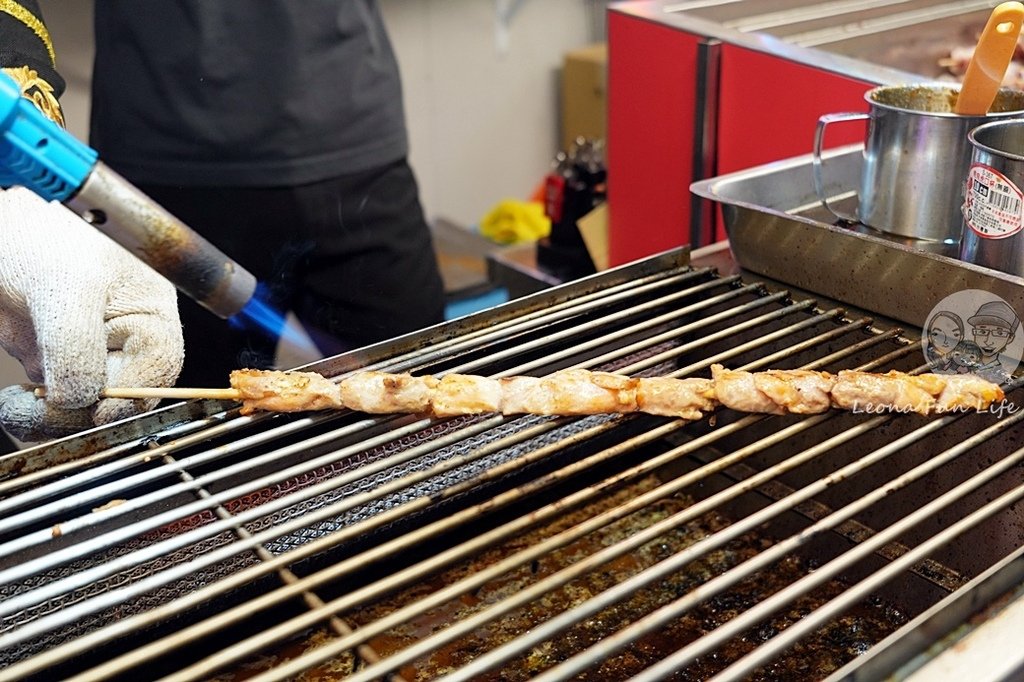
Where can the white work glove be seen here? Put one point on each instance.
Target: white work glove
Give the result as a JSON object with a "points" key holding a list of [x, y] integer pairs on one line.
{"points": [[80, 313]]}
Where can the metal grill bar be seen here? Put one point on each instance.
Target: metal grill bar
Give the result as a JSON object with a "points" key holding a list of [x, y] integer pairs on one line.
{"points": [[559, 579], [569, 334], [33, 497], [189, 537], [105, 492], [384, 551], [888, 23], [496, 332], [253, 572], [478, 579], [280, 530], [68, 503], [439, 349], [340, 627], [855, 531], [631, 335], [672, 353], [28, 481], [751, 345], [677, 562], [575, 306], [882, 361], [863, 588], [463, 627], [186, 539], [834, 567], [110, 490], [425, 568], [768, 557], [483, 576], [819, 10], [65, 555]]}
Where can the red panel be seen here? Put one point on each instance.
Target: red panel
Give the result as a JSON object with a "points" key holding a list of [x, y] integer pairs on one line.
{"points": [[769, 107], [652, 74]]}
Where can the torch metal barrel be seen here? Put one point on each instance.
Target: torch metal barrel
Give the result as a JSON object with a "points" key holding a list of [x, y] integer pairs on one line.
{"points": [[195, 266]]}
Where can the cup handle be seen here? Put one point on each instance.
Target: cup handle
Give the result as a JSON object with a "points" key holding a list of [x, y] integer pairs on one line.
{"points": [[816, 163]]}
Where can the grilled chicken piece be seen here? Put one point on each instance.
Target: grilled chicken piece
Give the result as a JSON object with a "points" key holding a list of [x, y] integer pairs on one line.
{"points": [[920, 393], [383, 393], [894, 391], [459, 394], [967, 392], [776, 391], [736, 389], [522, 395], [686, 398], [798, 391], [284, 391], [594, 392], [570, 392]]}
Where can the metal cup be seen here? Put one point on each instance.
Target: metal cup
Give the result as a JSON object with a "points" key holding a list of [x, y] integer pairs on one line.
{"points": [[916, 156], [993, 199]]}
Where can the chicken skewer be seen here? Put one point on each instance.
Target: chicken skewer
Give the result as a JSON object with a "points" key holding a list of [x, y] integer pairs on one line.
{"points": [[581, 392]]}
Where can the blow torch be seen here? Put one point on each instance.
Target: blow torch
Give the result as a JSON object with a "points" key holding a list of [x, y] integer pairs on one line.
{"points": [[38, 154]]}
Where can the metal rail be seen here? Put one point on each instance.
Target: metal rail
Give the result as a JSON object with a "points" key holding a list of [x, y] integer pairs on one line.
{"points": [[441, 348], [768, 557], [81, 579], [655, 324], [818, 10], [100, 494], [891, 22]]}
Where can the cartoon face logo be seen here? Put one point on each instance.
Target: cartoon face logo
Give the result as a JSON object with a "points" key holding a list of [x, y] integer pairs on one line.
{"points": [[976, 332], [993, 327], [965, 357], [945, 331]]}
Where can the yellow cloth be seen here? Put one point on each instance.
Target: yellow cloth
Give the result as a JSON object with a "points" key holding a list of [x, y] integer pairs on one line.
{"points": [[512, 221]]}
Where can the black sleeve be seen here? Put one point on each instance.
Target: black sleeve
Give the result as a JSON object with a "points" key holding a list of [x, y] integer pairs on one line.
{"points": [[27, 54]]}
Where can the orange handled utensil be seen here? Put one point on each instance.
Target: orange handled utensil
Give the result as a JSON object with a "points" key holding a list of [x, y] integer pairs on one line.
{"points": [[991, 57]]}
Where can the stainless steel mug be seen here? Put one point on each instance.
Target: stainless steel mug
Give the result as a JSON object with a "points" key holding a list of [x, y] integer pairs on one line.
{"points": [[993, 200], [916, 156]]}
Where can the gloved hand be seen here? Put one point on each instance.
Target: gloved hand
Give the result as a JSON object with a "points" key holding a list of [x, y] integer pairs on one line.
{"points": [[80, 313]]}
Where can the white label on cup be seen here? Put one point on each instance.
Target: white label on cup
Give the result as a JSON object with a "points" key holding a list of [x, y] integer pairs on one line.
{"points": [[992, 204]]}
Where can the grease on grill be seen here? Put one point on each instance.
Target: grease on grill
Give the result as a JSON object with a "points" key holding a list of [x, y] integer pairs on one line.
{"points": [[813, 658]]}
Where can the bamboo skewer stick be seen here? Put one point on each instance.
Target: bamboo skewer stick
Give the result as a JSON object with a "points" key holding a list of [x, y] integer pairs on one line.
{"points": [[178, 393]]}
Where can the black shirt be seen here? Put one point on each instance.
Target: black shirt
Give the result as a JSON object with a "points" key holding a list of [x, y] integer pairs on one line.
{"points": [[244, 92]]}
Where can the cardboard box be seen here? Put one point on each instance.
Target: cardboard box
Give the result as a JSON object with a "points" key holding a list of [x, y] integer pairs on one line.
{"points": [[584, 94], [593, 228]]}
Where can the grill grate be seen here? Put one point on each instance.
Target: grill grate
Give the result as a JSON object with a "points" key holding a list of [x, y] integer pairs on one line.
{"points": [[276, 544]]}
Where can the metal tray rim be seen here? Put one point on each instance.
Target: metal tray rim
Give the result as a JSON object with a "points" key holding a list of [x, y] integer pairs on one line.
{"points": [[773, 241]]}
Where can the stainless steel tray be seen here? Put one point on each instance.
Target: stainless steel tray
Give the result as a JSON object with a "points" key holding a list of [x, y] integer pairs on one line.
{"points": [[778, 229]]}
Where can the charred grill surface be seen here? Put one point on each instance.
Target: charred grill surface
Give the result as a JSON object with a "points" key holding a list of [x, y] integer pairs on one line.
{"points": [[490, 547], [824, 652]]}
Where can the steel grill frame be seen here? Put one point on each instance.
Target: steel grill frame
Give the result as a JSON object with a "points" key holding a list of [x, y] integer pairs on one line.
{"points": [[658, 317]]}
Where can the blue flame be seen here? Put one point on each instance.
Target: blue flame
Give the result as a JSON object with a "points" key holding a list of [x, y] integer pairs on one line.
{"points": [[260, 315]]}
